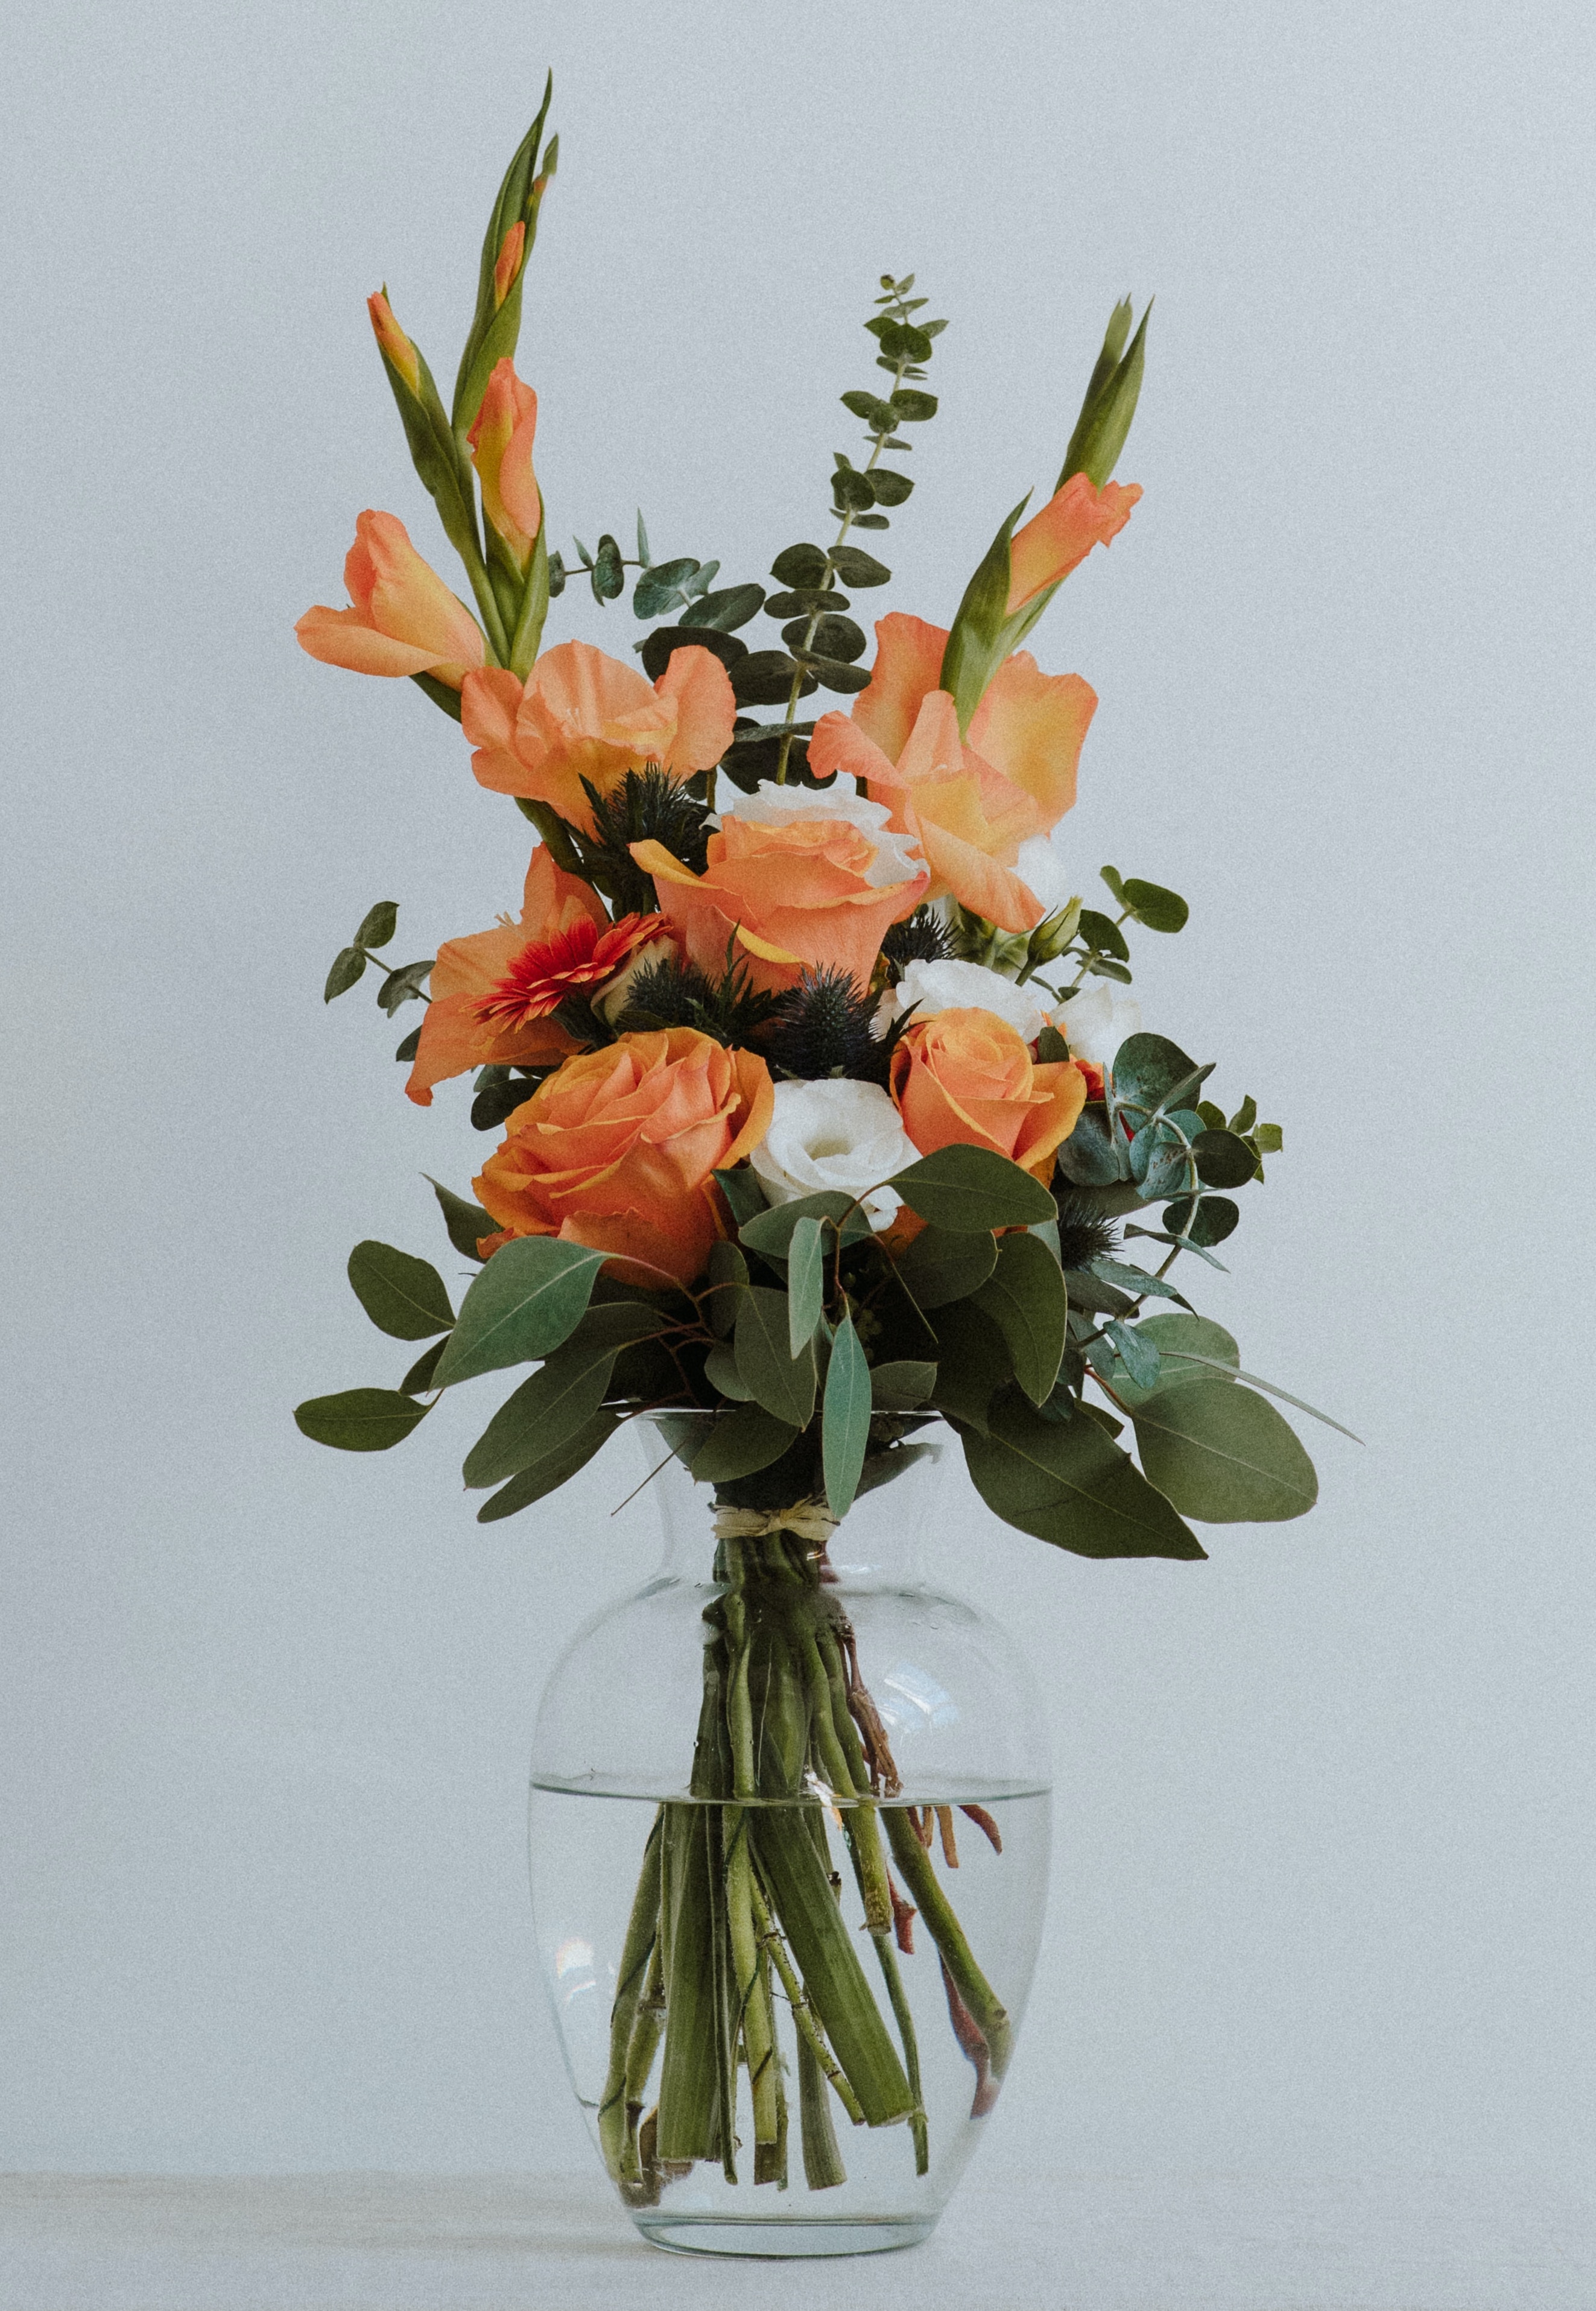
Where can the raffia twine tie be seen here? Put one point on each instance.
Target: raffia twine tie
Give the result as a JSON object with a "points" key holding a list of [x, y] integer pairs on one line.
{"points": [[806, 1519]]}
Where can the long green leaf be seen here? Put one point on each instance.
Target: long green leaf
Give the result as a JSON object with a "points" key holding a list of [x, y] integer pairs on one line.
{"points": [[542, 1417], [1070, 1484], [846, 1425], [404, 1297], [740, 1443], [528, 1298], [1025, 1299], [972, 1189], [943, 1264], [467, 1222], [551, 1470], [784, 1384], [806, 1282], [771, 1232], [1221, 1453], [360, 1419]]}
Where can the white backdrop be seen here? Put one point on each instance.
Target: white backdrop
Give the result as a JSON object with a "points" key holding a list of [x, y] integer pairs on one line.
{"points": [[1324, 1889]]}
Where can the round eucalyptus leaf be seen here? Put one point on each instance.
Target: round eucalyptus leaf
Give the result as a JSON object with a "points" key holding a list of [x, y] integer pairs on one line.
{"points": [[609, 577], [805, 602], [1221, 1453], [804, 566], [765, 679], [732, 606], [891, 487], [912, 408], [832, 638], [659, 587], [1206, 1220], [1224, 1160], [852, 491], [852, 567], [1155, 907], [832, 675], [658, 647]]}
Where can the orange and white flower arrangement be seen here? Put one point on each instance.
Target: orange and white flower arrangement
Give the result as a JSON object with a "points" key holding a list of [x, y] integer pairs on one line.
{"points": [[816, 1109]]}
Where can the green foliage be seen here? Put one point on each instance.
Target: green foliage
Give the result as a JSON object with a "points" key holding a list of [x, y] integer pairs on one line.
{"points": [[418, 1380], [467, 1222], [845, 1428], [529, 1297], [1224, 1160], [731, 606], [783, 1383], [770, 1231], [972, 1363], [1024, 1297], [1221, 1453], [657, 649], [1148, 903], [377, 926], [663, 587], [360, 1419], [942, 1265], [1111, 393], [499, 1091], [405, 985], [767, 678], [739, 1445], [607, 575], [544, 1415], [972, 1189], [404, 1297], [901, 1386], [806, 1282], [1069, 1483], [744, 1195], [494, 327], [727, 1281], [550, 1469], [1201, 1220]]}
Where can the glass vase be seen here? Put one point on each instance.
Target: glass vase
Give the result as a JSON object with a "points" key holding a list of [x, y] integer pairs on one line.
{"points": [[789, 1826]]}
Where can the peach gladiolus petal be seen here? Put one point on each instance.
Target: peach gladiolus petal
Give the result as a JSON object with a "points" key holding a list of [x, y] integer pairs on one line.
{"points": [[501, 443], [1058, 538], [404, 619], [697, 685], [1033, 726], [908, 665]]}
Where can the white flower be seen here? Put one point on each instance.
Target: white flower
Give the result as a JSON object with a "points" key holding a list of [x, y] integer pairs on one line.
{"points": [[1041, 870], [1096, 1022], [834, 1134], [770, 805], [934, 987]]}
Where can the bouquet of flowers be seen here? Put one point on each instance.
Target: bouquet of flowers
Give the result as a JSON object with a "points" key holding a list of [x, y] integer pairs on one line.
{"points": [[822, 1114]]}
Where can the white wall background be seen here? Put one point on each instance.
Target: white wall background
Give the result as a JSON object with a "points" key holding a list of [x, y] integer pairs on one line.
{"points": [[1324, 1888]]}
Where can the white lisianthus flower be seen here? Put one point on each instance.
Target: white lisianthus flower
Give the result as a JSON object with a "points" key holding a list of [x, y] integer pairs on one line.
{"points": [[1041, 870], [834, 1134], [1096, 1022], [769, 805], [933, 987]]}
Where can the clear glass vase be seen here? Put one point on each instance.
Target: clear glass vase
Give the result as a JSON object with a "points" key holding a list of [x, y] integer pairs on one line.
{"points": [[789, 1825]]}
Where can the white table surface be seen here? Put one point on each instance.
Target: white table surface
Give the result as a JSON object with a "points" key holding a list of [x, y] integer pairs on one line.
{"points": [[1071, 2242]]}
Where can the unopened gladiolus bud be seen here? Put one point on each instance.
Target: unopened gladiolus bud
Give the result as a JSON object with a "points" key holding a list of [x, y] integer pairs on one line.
{"points": [[502, 451], [401, 353], [511, 252]]}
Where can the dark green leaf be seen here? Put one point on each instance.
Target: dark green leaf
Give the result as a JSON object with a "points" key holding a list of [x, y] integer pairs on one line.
{"points": [[870, 407], [742, 1191], [1153, 907], [972, 1189], [408, 984], [609, 576], [347, 966], [784, 1384], [1159, 1161], [733, 606], [617, 1324], [875, 521], [660, 588], [550, 1469], [806, 603], [1069, 1483], [765, 679], [467, 1222], [1116, 884], [1224, 1160], [720, 1369], [852, 567], [769, 1232], [1269, 1138], [1175, 1336], [1148, 1068], [899, 1386], [658, 647], [1095, 1153], [1219, 1452], [1211, 1118], [831, 674], [1103, 935], [806, 1282], [852, 491], [972, 1363], [529, 1297], [1090, 1296], [845, 1430], [729, 1280], [418, 1380], [380, 925], [1025, 1299], [404, 1297], [890, 486], [912, 408], [739, 1445], [1136, 1280], [944, 1264], [837, 638], [410, 1046], [543, 1416], [497, 1100], [1205, 1220], [1139, 1356], [1105, 967], [360, 1419], [801, 565]]}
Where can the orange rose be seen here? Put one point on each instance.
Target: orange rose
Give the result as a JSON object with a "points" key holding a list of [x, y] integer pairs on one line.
{"points": [[615, 1151], [966, 1078], [404, 619], [467, 1023], [801, 881]]}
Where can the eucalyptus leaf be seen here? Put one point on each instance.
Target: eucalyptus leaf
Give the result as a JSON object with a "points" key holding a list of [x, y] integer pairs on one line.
{"points": [[972, 1190], [410, 1046], [1153, 907], [845, 1425], [404, 1297], [360, 1419], [1268, 1139], [1223, 1454], [944, 1264], [1095, 1154], [348, 964], [972, 1363], [551, 1469], [901, 1386], [806, 1282], [912, 408], [769, 1232], [833, 637], [731, 606], [720, 1369], [1069, 1483], [1224, 1160], [418, 1380], [407, 984], [739, 1445], [741, 1188], [852, 566], [1147, 1069], [657, 649], [1136, 1280], [1174, 1336], [543, 1416], [1025, 1299], [467, 1222], [890, 486], [609, 575], [782, 1383], [1103, 935], [765, 679], [806, 602], [1244, 1118], [1202, 1220], [831, 674], [380, 925], [659, 587], [727, 1279], [529, 1297], [1139, 1356], [802, 565]]}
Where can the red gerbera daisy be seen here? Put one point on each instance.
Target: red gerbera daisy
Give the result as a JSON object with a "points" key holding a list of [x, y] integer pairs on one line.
{"points": [[546, 971]]}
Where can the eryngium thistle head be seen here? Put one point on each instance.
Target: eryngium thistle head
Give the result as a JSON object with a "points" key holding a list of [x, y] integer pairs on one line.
{"points": [[649, 806], [675, 993], [822, 1027], [1084, 1232], [921, 939]]}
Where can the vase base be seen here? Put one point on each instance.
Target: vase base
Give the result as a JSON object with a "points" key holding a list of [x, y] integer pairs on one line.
{"points": [[783, 2240]]}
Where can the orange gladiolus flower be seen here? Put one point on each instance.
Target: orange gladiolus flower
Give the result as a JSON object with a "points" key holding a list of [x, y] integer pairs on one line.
{"points": [[404, 619], [395, 343], [501, 452], [792, 886], [580, 714], [1058, 538], [464, 1026], [966, 1078], [617, 1151]]}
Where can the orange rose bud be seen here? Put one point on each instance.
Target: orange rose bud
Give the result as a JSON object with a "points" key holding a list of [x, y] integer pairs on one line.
{"points": [[966, 1078], [467, 1024], [510, 251], [393, 341], [404, 619], [617, 1151], [501, 452], [1058, 538], [580, 714]]}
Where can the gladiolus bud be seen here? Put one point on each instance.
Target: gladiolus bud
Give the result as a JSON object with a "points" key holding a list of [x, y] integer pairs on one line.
{"points": [[401, 353], [511, 252], [502, 451]]}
